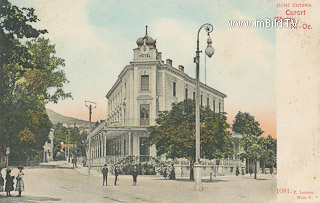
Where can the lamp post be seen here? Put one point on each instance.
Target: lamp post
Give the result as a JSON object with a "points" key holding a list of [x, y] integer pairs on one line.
{"points": [[209, 51]]}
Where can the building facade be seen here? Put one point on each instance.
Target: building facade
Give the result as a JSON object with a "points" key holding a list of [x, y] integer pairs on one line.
{"points": [[145, 87]]}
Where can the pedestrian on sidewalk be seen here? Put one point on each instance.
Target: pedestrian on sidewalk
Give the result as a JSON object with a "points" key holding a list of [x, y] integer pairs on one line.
{"points": [[9, 182], [105, 174], [115, 174], [20, 183], [237, 171], [1, 181], [172, 173], [134, 175], [165, 175]]}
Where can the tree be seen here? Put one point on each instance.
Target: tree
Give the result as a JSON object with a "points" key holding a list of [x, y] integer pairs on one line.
{"points": [[174, 133], [69, 135], [252, 149], [268, 156], [244, 123], [28, 70]]}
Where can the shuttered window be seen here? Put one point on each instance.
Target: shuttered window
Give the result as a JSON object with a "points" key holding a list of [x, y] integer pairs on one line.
{"points": [[144, 82]]}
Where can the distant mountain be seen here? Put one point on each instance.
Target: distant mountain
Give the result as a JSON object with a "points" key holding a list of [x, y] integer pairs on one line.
{"points": [[58, 118]]}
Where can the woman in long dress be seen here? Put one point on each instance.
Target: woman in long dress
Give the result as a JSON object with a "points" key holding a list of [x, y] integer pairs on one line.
{"points": [[9, 182], [20, 183]]}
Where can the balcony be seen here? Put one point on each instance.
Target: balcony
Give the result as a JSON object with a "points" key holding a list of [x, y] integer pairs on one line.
{"points": [[144, 122], [131, 122]]}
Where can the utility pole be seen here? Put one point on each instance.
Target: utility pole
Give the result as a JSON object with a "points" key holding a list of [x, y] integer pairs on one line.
{"points": [[73, 151], [68, 144], [90, 105]]}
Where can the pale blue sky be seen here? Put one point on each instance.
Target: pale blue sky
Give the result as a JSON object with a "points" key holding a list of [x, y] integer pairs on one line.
{"points": [[96, 38]]}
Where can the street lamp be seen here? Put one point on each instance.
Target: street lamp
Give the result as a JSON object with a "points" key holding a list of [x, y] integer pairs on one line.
{"points": [[209, 51]]}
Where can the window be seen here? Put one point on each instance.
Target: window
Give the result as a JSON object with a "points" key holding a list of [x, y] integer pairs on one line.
{"points": [[207, 101], [194, 96], [174, 89], [144, 114], [144, 149], [144, 82], [214, 106], [186, 94], [124, 147], [201, 100], [219, 107]]}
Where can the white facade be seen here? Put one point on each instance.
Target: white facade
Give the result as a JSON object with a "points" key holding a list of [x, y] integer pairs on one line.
{"points": [[130, 92], [145, 87]]}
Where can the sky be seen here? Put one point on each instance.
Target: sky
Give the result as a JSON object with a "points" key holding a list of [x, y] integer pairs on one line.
{"points": [[96, 38]]}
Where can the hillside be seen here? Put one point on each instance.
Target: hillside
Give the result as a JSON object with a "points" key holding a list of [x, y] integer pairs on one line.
{"points": [[58, 118]]}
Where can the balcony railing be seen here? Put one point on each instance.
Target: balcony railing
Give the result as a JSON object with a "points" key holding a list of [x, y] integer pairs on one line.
{"points": [[131, 122], [144, 122]]}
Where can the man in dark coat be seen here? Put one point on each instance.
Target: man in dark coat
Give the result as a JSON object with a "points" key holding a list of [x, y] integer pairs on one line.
{"points": [[134, 175], [115, 175], [105, 174], [237, 171]]}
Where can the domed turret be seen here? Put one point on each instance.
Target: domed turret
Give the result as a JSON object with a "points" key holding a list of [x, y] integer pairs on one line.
{"points": [[151, 43]]}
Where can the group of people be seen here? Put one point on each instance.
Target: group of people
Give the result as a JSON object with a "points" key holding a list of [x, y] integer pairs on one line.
{"points": [[8, 186], [172, 175], [105, 171]]}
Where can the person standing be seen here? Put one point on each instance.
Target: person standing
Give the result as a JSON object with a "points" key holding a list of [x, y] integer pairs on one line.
{"points": [[172, 173], [134, 176], [165, 175], [237, 171], [105, 174], [20, 183], [1, 181], [9, 182], [115, 175]]}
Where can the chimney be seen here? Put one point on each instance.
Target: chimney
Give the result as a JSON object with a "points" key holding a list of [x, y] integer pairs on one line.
{"points": [[181, 68], [160, 56], [169, 62]]}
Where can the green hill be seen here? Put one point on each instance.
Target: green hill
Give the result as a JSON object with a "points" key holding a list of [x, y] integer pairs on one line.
{"points": [[58, 118]]}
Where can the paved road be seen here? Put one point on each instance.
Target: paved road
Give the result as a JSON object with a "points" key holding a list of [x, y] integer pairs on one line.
{"points": [[60, 183]]}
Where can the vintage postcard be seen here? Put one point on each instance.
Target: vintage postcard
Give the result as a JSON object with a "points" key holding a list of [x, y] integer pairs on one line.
{"points": [[159, 101]]}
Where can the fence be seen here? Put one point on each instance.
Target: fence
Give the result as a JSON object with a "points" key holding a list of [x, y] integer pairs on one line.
{"points": [[24, 163]]}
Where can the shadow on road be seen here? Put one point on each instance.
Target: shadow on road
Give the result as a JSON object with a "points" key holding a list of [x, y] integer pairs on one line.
{"points": [[51, 166], [29, 199], [188, 180], [214, 181], [115, 200], [252, 178]]}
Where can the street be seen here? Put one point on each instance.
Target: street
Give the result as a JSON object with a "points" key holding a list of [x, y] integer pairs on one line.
{"points": [[58, 182]]}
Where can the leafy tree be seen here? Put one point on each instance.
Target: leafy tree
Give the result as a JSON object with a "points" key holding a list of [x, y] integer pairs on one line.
{"points": [[28, 70], [174, 133], [69, 135], [252, 149], [244, 123], [268, 156]]}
